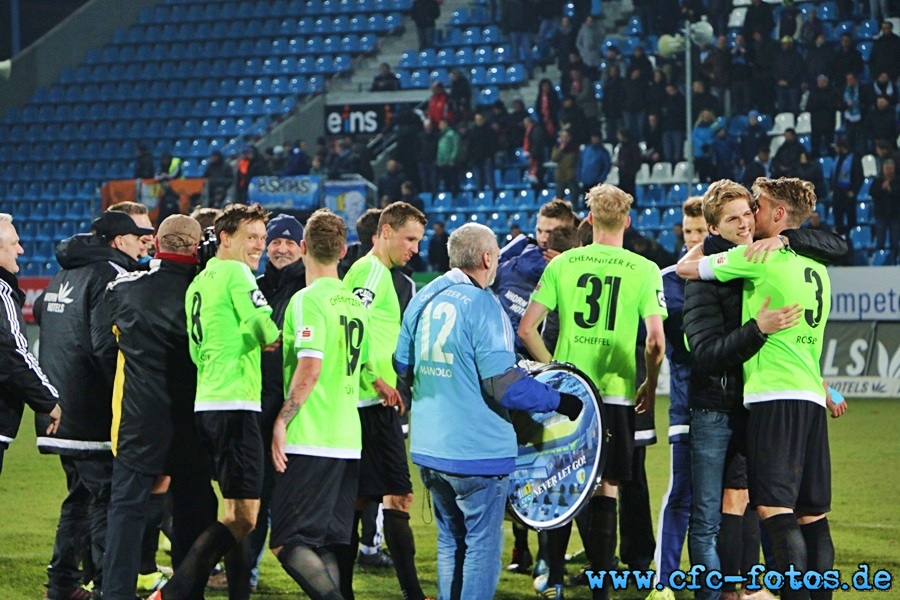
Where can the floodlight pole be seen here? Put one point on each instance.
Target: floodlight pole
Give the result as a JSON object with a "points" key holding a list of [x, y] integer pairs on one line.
{"points": [[689, 102]]}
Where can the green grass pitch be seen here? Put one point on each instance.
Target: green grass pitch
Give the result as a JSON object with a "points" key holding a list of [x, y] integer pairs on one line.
{"points": [[865, 451]]}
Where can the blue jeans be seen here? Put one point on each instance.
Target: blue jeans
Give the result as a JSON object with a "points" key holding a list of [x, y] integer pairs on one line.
{"points": [[469, 514], [710, 433], [673, 146]]}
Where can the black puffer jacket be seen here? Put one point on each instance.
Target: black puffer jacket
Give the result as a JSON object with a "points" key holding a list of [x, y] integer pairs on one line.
{"points": [[278, 286], [21, 379], [158, 381], [719, 342], [78, 348]]}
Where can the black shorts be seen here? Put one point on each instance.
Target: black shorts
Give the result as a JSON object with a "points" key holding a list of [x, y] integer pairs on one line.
{"points": [[313, 501], [383, 469], [788, 459], [735, 476], [234, 443], [620, 448]]}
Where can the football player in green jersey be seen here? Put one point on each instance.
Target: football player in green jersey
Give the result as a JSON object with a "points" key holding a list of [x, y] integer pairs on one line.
{"points": [[787, 447], [602, 291]]}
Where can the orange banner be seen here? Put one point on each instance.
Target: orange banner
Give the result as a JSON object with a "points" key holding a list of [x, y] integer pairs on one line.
{"points": [[149, 192]]}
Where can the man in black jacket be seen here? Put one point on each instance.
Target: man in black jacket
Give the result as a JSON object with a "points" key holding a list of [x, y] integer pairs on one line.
{"points": [[78, 352], [720, 343], [424, 13], [284, 276], [153, 398], [21, 379]]}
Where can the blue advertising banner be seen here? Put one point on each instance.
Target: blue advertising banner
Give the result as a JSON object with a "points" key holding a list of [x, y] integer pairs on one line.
{"points": [[299, 192], [348, 200]]}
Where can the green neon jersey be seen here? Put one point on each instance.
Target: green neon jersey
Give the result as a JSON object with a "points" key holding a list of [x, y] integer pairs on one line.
{"points": [[228, 321], [787, 366], [372, 283], [326, 321], [602, 293]]}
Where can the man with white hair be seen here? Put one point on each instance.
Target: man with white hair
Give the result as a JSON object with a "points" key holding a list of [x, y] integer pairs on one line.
{"points": [[21, 379], [456, 343]]}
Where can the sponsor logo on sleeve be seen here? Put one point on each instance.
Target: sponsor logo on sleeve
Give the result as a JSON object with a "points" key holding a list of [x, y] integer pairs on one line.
{"points": [[366, 296], [258, 299], [720, 259], [306, 334]]}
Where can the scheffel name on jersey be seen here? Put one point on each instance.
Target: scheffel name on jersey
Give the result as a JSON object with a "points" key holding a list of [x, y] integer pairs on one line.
{"points": [[596, 341]]}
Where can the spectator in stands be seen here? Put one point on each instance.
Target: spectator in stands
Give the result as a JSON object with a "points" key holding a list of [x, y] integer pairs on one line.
{"points": [[641, 62], [788, 73], [787, 19], [482, 147], [726, 153], [297, 160], [719, 11], [672, 118], [822, 104], [517, 23], [652, 139], [590, 36], [426, 149], [880, 9], [219, 176], [515, 119], [581, 89], [594, 163], [763, 54], [613, 59], [758, 167], [811, 29], [702, 138], [692, 10], [564, 44], [884, 150], [716, 66], [385, 80], [317, 167], [884, 86], [409, 195], [249, 166], [143, 164], [810, 170], [447, 154], [548, 12], [613, 103], [534, 144], [855, 104], [703, 100], [815, 222], [846, 179], [424, 13], [753, 137], [885, 192], [575, 64], [346, 161], [818, 61], [439, 104], [656, 91], [565, 155], [787, 157], [170, 167], [390, 181], [886, 52], [546, 108], [629, 161], [365, 160], [666, 13], [277, 160], [407, 125], [462, 154], [881, 121], [634, 107], [572, 118], [438, 257], [847, 59], [740, 77], [758, 19], [503, 127], [460, 95]]}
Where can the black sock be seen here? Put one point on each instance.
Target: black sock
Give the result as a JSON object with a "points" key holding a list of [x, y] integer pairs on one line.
{"points": [[604, 527], [819, 551], [345, 556], [789, 549], [583, 523], [520, 537], [749, 541], [400, 541], [557, 542], [306, 567], [729, 547], [150, 543], [542, 546], [237, 567], [209, 547]]}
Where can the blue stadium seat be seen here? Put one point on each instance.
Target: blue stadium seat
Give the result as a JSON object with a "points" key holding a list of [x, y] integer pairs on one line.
{"points": [[670, 217], [677, 195], [868, 30], [827, 11], [861, 236], [865, 48], [864, 213], [647, 220], [667, 239], [882, 258]]}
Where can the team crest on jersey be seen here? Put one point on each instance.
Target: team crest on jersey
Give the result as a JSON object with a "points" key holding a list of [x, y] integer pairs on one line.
{"points": [[258, 299], [306, 334], [661, 298], [721, 259], [366, 296]]}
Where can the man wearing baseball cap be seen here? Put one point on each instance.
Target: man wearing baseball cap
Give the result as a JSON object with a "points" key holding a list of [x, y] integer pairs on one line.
{"points": [[78, 354], [284, 276]]}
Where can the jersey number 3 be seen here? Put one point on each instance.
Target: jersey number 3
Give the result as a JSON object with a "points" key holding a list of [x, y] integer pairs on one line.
{"points": [[594, 288], [353, 335], [814, 318], [440, 311]]}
